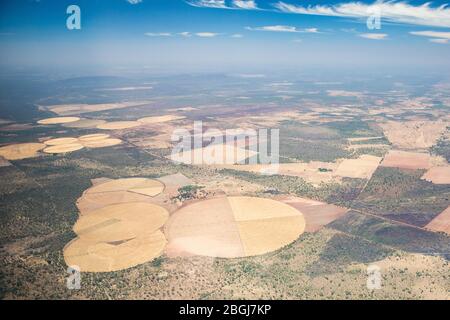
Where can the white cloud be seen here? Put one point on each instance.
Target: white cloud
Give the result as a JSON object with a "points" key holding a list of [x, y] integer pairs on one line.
{"points": [[245, 4], [206, 34], [392, 11], [208, 4], [311, 30], [432, 34], [185, 34], [280, 28], [374, 36], [436, 36], [134, 1], [159, 34], [220, 4], [441, 41], [237, 35]]}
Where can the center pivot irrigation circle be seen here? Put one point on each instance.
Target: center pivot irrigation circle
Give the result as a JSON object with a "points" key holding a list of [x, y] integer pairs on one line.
{"points": [[117, 237], [233, 227]]}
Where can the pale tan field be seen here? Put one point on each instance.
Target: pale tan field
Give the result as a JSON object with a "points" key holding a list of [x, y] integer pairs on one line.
{"points": [[317, 214], [407, 160], [116, 230], [361, 168], [60, 141], [233, 227], [250, 208], [21, 151], [414, 134], [117, 237], [210, 155], [438, 175], [58, 120], [142, 186], [93, 137], [119, 125], [93, 201], [114, 256], [63, 145], [84, 124], [120, 221], [103, 143], [160, 119], [441, 223], [64, 148], [74, 109]]}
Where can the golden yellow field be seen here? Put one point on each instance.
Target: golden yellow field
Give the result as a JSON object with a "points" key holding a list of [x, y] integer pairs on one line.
{"points": [[58, 120], [143, 186], [60, 141], [64, 148], [114, 256], [21, 151], [68, 144], [84, 123]]}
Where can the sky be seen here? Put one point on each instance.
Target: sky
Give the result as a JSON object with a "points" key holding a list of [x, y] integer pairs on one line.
{"points": [[220, 35]]}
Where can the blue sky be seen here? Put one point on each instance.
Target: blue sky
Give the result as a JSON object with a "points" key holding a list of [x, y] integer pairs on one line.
{"points": [[230, 34]]}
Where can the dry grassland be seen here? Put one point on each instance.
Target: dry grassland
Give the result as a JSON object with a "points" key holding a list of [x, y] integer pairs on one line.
{"points": [[414, 134], [119, 125], [160, 119]]}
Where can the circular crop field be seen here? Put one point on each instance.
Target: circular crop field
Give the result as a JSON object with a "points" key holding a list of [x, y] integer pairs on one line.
{"points": [[58, 120], [148, 187], [64, 148], [21, 151], [117, 237], [60, 141], [114, 255], [233, 227]]}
